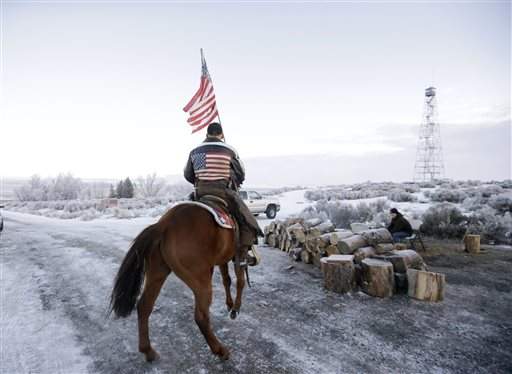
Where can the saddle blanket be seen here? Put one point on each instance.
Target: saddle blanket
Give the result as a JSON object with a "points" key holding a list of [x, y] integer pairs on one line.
{"points": [[223, 219]]}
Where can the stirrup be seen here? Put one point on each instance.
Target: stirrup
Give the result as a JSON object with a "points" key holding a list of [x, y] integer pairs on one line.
{"points": [[253, 257]]}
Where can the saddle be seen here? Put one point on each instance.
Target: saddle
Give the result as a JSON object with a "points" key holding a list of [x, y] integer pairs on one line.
{"points": [[217, 207]]}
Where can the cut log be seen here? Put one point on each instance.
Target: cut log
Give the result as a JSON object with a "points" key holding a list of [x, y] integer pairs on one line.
{"points": [[349, 245], [325, 239], [403, 260], [472, 243], [358, 228], [306, 257], [384, 248], [426, 286], [322, 228], [316, 259], [331, 250], [287, 244], [272, 240], [377, 277], [339, 273], [377, 236], [399, 246], [312, 222], [296, 231], [361, 253], [339, 234], [282, 242], [312, 245]]}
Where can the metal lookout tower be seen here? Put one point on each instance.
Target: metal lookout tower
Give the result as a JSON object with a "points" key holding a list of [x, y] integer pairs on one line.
{"points": [[429, 155]]}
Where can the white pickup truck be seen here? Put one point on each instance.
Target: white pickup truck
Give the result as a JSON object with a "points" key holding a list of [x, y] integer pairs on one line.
{"points": [[257, 204]]}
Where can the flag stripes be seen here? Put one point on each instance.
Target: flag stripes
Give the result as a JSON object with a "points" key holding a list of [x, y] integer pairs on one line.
{"points": [[202, 108]]}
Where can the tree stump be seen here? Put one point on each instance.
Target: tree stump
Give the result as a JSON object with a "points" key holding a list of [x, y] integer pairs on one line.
{"points": [[377, 277], [339, 273], [472, 243], [349, 245], [425, 285]]}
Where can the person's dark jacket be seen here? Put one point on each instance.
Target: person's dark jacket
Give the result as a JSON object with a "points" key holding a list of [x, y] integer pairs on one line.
{"points": [[399, 223], [214, 160]]}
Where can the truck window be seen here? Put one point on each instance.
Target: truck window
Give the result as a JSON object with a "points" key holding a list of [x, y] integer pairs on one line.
{"points": [[243, 195], [254, 195]]}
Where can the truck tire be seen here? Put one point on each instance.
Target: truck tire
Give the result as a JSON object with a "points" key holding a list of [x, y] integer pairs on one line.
{"points": [[271, 211]]}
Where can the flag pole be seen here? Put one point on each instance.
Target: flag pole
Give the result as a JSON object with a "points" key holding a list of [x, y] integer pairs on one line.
{"points": [[205, 69]]}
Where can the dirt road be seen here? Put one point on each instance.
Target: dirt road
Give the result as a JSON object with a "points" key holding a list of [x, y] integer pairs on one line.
{"points": [[56, 278]]}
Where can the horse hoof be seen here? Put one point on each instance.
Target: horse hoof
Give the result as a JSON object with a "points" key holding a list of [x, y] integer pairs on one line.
{"points": [[233, 314], [223, 354], [152, 356]]}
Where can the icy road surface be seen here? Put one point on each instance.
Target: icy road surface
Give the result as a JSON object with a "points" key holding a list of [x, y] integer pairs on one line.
{"points": [[56, 279]]}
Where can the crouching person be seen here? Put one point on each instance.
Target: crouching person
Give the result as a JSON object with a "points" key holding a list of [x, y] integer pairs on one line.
{"points": [[399, 227]]}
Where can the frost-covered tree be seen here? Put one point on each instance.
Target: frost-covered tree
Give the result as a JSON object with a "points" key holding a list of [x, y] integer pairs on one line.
{"points": [[34, 190], [150, 186], [65, 187]]}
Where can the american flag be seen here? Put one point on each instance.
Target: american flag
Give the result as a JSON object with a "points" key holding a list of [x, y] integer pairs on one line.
{"points": [[202, 108], [211, 166]]}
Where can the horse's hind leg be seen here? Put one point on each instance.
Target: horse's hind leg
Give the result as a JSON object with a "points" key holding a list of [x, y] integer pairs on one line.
{"points": [[203, 296], [156, 273], [226, 280], [240, 284]]}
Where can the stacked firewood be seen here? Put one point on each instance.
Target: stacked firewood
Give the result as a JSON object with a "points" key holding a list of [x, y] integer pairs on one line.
{"points": [[367, 259], [310, 240]]}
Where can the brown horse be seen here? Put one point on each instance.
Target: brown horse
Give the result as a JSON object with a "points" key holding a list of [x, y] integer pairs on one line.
{"points": [[186, 241]]}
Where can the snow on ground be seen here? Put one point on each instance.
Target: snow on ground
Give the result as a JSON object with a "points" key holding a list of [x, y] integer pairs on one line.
{"points": [[56, 277]]}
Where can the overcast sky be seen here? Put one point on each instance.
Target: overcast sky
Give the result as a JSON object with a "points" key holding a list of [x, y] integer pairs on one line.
{"points": [[308, 93]]}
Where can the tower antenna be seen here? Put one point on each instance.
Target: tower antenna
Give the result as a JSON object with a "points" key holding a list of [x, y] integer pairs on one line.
{"points": [[429, 163]]}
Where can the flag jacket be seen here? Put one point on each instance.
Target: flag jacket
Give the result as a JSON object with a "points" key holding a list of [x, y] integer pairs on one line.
{"points": [[214, 160]]}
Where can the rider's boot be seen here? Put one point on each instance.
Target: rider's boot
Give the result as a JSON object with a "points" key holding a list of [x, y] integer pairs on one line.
{"points": [[253, 257]]}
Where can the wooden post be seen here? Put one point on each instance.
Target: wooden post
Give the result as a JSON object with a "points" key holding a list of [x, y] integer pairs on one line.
{"points": [[377, 277], [338, 271], [472, 243], [426, 286]]}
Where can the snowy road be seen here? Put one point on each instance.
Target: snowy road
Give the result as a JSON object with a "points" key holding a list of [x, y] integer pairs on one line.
{"points": [[57, 275]]}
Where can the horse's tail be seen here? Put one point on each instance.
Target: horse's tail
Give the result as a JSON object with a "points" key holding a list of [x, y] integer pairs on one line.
{"points": [[129, 278]]}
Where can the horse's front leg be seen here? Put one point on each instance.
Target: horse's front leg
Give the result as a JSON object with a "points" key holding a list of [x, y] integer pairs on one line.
{"points": [[226, 280], [240, 284]]}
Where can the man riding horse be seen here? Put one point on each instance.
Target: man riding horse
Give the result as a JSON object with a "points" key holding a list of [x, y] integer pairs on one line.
{"points": [[215, 169]]}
